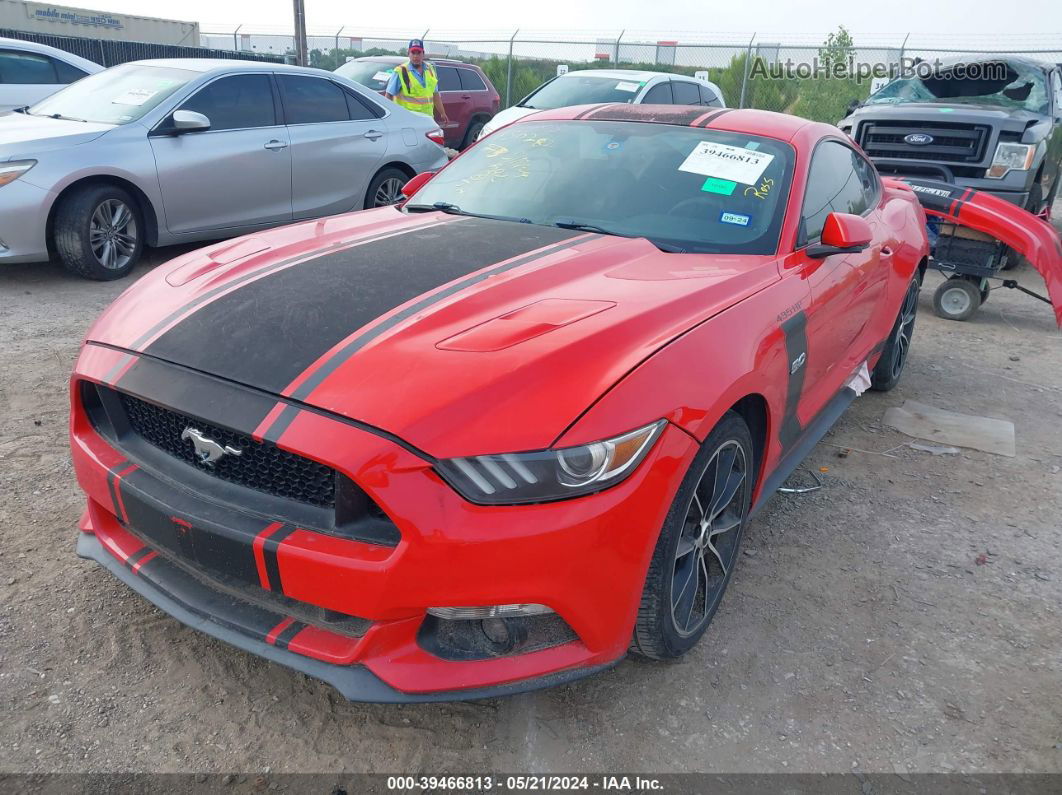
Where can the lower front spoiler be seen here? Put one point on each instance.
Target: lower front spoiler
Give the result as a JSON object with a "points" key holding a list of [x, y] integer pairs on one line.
{"points": [[354, 682]]}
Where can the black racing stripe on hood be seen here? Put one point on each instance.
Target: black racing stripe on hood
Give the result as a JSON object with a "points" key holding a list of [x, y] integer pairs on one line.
{"points": [[267, 332]]}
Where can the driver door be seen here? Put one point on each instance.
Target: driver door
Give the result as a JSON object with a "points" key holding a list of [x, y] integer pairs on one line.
{"points": [[237, 173]]}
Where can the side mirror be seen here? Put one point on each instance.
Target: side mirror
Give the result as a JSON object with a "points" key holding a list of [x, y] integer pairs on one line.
{"points": [[189, 121], [842, 234], [852, 107], [417, 183]]}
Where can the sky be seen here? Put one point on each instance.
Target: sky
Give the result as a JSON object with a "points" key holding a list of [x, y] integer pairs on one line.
{"points": [[1038, 22]]}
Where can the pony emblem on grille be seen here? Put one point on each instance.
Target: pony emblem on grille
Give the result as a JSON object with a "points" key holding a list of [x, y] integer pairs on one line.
{"points": [[207, 450]]}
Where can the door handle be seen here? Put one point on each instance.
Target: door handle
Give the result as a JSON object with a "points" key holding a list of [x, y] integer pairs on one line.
{"points": [[466, 96], [372, 135], [276, 145]]}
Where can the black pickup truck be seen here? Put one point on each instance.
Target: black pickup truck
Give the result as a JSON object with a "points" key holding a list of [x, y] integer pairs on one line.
{"points": [[992, 123]]}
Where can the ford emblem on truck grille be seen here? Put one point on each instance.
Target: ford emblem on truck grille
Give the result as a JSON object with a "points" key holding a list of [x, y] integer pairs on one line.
{"points": [[918, 139], [207, 450]]}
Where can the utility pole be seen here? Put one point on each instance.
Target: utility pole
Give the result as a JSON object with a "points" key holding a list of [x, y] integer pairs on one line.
{"points": [[300, 33]]}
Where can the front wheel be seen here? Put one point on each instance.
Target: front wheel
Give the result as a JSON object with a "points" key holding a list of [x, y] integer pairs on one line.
{"points": [[698, 545], [474, 131], [99, 232], [385, 188], [893, 359]]}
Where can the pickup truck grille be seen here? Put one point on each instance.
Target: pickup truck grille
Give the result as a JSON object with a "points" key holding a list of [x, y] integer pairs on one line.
{"points": [[952, 143]]}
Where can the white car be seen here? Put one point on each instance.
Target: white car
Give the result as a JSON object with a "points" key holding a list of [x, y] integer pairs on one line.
{"points": [[592, 86], [29, 72]]}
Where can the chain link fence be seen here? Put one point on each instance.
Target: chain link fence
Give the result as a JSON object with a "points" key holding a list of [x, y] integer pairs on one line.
{"points": [[109, 52], [751, 70]]}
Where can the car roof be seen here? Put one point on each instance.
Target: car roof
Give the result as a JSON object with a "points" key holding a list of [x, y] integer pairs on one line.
{"points": [[223, 64], [996, 57], [767, 123], [620, 74], [44, 49]]}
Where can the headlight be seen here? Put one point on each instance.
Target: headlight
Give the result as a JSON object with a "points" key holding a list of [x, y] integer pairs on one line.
{"points": [[9, 172], [1011, 157], [548, 475]]}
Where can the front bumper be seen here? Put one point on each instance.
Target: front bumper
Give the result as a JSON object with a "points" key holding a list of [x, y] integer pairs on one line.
{"points": [[23, 221], [585, 558]]}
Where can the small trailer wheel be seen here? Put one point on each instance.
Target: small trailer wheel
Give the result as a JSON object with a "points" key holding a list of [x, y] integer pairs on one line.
{"points": [[957, 299]]}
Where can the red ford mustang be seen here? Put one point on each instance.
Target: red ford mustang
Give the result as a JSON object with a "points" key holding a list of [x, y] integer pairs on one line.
{"points": [[498, 437]]}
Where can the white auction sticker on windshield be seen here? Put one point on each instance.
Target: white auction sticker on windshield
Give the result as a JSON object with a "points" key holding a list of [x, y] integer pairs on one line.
{"points": [[134, 96], [631, 87], [382, 76], [710, 159]]}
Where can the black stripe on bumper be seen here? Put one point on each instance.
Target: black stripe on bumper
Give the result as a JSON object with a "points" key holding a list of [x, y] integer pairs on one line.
{"points": [[193, 604]]}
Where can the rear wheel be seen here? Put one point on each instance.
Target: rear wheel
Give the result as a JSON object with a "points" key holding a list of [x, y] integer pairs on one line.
{"points": [[698, 545], [385, 188], [893, 359], [474, 129], [99, 232], [957, 299]]}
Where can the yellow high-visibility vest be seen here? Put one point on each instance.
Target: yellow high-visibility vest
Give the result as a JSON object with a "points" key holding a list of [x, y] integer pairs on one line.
{"points": [[411, 94]]}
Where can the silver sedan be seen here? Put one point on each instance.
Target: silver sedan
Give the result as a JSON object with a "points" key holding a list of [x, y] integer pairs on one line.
{"points": [[174, 151]]}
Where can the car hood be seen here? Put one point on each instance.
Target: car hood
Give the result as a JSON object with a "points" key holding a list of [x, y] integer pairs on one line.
{"points": [[459, 335], [22, 135], [944, 112]]}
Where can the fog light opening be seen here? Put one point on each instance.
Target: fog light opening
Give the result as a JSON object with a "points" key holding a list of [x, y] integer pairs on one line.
{"points": [[504, 634]]}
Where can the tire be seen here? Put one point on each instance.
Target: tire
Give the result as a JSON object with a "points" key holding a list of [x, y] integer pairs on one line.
{"points": [[1036, 196], [386, 188], [474, 129], [957, 299], [99, 232], [684, 548], [893, 359], [1011, 259]]}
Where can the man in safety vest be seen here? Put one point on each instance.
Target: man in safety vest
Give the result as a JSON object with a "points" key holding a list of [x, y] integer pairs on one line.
{"points": [[415, 86]]}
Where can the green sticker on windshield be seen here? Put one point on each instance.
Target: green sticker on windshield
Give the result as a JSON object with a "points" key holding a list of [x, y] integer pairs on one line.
{"points": [[715, 185], [946, 110]]}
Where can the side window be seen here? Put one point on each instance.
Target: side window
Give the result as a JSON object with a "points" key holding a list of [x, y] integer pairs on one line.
{"points": [[833, 186], [685, 93], [471, 81], [26, 68], [361, 109], [448, 79], [67, 73], [1056, 81], [660, 94], [312, 100], [709, 98], [235, 103], [868, 177]]}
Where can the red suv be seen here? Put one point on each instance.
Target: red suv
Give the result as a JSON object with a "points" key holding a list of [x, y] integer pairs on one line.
{"points": [[467, 93]]}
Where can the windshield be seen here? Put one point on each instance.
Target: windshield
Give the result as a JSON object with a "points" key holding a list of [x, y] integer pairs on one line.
{"points": [[697, 190], [1007, 84], [372, 74], [114, 96], [562, 92]]}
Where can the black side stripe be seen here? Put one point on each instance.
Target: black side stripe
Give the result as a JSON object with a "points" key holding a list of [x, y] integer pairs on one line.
{"points": [[353, 346], [796, 346], [588, 111], [269, 552], [210, 294], [714, 116], [288, 635]]}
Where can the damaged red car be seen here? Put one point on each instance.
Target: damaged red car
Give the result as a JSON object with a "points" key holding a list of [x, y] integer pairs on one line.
{"points": [[497, 437]]}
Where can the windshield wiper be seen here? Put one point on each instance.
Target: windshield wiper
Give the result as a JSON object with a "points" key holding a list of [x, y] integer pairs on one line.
{"points": [[61, 116], [453, 209], [670, 248]]}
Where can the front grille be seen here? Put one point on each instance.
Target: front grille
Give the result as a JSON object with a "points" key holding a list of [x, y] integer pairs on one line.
{"points": [[261, 465], [952, 143]]}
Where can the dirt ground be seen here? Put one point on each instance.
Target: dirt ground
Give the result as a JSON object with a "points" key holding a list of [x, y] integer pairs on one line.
{"points": [[860, 632]]}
